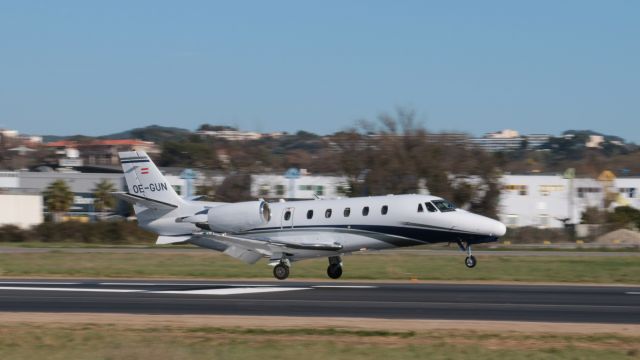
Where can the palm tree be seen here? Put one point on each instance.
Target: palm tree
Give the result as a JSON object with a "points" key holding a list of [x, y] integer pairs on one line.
{"points": [[103, 201], [59, 198]]}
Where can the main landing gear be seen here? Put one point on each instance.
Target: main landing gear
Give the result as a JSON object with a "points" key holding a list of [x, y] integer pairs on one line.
{"points": [[470, 260], [282, 269], [334, 270]]}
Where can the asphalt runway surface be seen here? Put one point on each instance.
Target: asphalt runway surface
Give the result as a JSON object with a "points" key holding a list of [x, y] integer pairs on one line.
{"points": [[549, 303]]}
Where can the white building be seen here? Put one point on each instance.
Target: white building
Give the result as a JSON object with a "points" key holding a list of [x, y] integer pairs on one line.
{"points": [[231, 135], [21, 210], [302, 186], [546, 200]]}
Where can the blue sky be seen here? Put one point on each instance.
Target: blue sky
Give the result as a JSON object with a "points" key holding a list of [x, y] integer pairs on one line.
{"points": [[92, 67]]}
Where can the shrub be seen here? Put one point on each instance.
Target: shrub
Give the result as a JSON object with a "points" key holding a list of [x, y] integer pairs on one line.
{"points": [[12, 233], [119, 232]]}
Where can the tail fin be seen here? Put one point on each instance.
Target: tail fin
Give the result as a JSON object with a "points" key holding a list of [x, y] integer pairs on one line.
{"points": [[145, 181]]}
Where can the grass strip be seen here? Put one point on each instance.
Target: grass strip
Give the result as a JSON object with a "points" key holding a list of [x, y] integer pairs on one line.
{"points": [[395, 266], [117, 341]]}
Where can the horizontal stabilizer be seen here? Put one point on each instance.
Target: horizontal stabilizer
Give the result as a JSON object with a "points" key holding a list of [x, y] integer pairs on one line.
{"points": [[146, 202]]}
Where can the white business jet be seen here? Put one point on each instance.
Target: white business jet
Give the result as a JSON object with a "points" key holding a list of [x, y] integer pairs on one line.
{"points": [[284, 232]]}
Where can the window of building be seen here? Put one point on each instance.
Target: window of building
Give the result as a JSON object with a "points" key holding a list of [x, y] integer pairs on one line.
{"points": [[310, 214], [521, 189], [346, 212], [420, 209], [543, 220], [430, 207], [342, 189], [512, 220], [545, 190], [287, 215], [587, 190], [279, 190], [630, 192], [384, 210], [264, 190], [327, 213], [319, 190], [365, 211]]}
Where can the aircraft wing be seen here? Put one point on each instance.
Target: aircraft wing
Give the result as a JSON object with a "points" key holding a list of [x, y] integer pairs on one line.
{"points": [[251, 250], [146, 202]]}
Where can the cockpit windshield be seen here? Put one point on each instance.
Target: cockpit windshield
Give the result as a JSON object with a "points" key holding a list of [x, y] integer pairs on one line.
{"points": [[444, 205]]}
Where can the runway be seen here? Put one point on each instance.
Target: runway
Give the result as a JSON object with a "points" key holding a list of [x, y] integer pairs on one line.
{"points": [[594, 304]]}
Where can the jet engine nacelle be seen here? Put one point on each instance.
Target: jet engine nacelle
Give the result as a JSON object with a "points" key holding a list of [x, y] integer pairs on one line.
{"points": [[238, 217]]}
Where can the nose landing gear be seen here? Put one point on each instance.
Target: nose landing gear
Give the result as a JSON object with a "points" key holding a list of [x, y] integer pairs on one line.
{"points": [[470, 260]]}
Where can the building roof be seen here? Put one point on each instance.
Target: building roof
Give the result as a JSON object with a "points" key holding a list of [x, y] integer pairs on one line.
{"points": [[61, 143]]}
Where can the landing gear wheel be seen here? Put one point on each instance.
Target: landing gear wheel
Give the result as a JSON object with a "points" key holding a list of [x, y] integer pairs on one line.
{"points": [[334, 271], [281, 271], [470, 261]]}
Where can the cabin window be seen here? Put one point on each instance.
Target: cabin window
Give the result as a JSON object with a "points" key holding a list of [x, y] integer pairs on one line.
{"points": [[310, 214], [347, 212], [420, 209], [327, 213], [365, 211], [444, 205], [287, 215], [384, 210], [430, 207]]}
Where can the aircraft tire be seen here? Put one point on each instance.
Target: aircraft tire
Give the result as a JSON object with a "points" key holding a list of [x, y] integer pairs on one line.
{"points": [[470, 261], [281, 271], [334, 271]]}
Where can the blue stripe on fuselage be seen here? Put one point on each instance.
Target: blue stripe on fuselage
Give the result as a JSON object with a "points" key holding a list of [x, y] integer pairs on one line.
{"points": [[412, 235]]}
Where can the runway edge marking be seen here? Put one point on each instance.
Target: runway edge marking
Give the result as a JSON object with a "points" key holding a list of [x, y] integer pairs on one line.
{"points": [[224, 291], [35, 288], [230, 291]]}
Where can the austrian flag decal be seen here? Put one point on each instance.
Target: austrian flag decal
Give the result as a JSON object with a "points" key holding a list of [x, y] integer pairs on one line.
{"points": [[144, 171]]}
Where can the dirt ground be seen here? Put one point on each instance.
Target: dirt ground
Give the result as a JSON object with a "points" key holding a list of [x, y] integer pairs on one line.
{"points": [[276, 322]]}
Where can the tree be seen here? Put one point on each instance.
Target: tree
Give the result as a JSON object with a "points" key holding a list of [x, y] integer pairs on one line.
{"points": [[235, 187], [59, 198], [625, 216], [103, 200], [593, 215]]}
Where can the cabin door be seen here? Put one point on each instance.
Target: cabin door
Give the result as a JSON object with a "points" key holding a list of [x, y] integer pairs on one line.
{"points": [[287, 218]]}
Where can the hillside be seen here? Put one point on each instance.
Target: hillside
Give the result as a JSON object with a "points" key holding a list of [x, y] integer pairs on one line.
{"points": [[155, 133]]}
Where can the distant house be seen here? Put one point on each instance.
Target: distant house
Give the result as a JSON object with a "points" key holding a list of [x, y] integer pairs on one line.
{"points": [[509, 140], [103, 152]]}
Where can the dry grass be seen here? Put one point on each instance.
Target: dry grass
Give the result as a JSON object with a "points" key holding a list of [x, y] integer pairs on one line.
{"points": [[87, 336], [392, 266]]}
